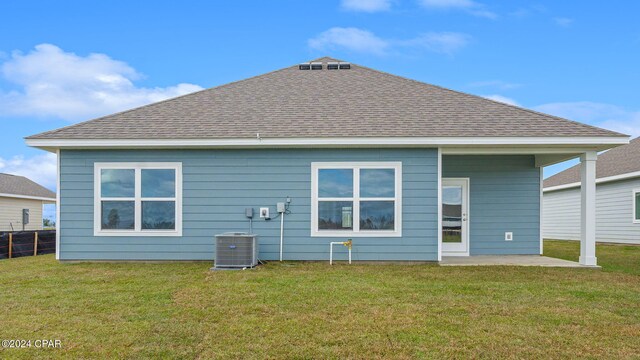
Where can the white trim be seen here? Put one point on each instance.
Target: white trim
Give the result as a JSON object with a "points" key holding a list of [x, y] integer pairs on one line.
{"points": [[439, 204], [137, 199], [633, 209], [552, 158], [357, 166], [515, 149], [58, 215], [598, 181], [466, 208], [541, 212], [16, 196], [330, 142]]}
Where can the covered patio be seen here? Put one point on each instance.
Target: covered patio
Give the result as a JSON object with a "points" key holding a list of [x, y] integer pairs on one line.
{"points": [[497, 241], [587, 203]]}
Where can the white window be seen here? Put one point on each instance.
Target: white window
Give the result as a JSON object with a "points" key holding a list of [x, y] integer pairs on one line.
{"points": [[356, 199], [138, 199], [636, 206]]}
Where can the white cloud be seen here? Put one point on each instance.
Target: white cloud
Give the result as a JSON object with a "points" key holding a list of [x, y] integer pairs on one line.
{"points": [[608, 116], [54, 83], [499, 84], [448, 3], [366, 5], [502, 99], [469, 6], [363, 41], [39, 168], [352, 39], [563, 21], [441, 42]]}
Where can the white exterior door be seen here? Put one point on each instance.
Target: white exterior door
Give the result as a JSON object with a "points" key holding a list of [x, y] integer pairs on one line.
{"points": [[455, 217]]}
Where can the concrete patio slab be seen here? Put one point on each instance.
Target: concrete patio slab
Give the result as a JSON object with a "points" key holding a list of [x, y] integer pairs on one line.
{"points": [[510, 260]]}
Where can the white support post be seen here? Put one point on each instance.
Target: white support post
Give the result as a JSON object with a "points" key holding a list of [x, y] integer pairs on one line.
{"points": [[588, 209], [439, 229], [541, 212]]}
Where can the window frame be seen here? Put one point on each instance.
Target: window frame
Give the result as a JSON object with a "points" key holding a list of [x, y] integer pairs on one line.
{"points": [[137, 199], [356, 199], [633, 208]]}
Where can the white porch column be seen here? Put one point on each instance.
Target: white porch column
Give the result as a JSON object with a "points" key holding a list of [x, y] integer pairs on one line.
{"points": [[588, 209]]}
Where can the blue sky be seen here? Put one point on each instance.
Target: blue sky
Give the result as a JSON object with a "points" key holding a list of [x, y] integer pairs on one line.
{"points": [[67, 61]]}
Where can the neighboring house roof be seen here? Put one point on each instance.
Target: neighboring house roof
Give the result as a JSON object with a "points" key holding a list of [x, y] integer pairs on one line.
{"points": [[617, 163], [21, 187], [355, 103]]}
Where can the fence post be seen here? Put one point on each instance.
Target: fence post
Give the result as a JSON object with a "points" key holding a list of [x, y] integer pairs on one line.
{"points": [[10, 241], [35, 244]]}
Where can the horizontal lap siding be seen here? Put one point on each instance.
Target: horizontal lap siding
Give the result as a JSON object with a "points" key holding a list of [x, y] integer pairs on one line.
{"points": [[614, 213], [11, 214], [219, 184], [504, 197], [561, 215]]}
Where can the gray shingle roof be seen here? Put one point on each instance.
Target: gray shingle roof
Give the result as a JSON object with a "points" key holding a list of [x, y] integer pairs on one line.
{"points": [[20, 185], [293, 103], [621, 160]]}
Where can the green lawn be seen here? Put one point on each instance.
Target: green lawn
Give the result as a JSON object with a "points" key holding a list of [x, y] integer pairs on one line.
{"points": [[612, 257], [313, 310]]}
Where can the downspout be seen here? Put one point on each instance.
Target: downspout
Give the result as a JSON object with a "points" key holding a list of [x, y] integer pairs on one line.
{"points": [[281, 233], [283, 208]]}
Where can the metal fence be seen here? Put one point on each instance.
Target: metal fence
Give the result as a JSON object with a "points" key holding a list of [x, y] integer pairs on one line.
{"points": [[27, 243]]}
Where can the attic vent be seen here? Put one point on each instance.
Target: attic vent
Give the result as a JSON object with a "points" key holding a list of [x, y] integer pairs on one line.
{"points": [[332, 66], [319, 66]]}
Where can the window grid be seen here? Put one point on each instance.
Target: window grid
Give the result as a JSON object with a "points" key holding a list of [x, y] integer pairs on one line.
{"points": [[356, 199], [137, 199]]}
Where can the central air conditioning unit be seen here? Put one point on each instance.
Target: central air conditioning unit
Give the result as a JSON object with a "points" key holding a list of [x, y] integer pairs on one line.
{"points": [[236, 250]]}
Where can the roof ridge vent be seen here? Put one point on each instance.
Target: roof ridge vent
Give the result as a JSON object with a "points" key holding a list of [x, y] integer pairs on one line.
{"points": [[318, 65]]}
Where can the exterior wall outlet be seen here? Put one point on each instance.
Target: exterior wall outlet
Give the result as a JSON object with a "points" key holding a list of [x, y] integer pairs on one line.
{"points": [[508, 236], [264, 212]]}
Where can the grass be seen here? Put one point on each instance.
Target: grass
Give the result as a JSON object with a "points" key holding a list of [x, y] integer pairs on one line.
{"points": [[612, 257], [313, 310], [451, 237]]}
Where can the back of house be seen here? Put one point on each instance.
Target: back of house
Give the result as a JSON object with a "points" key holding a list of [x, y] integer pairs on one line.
{"points": [[407, 170]]}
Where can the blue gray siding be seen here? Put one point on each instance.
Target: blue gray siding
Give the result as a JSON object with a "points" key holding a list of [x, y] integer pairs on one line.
{"points": [[504, 197], [219, 184]]}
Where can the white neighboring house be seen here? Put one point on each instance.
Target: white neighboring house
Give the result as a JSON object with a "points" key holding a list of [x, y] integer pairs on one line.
{"points": [[18, 193], [617, 199]]}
